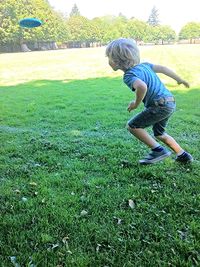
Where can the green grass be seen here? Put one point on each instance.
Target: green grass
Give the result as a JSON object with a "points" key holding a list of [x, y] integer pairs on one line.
{"points": [[65, 150]]}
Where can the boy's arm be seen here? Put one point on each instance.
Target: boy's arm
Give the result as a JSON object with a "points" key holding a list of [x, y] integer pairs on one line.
{"points": [[170, 73], [140, 91]]}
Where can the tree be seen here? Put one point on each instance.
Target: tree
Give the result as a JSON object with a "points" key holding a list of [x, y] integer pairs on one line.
{"points": [[113, 27], [166, 34], [160, 34], [97, 31], [190, 31], [137, 29], [79, 28], [75, 11], [153, 17], [76, 30], [10, 14], [6, 25]]}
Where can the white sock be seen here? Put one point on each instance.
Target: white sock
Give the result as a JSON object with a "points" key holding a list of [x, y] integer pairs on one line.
{"points": [[157, 145], [180, 153]]}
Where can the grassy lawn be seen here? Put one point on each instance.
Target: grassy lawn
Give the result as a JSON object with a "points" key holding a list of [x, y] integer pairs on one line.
{"points": [[72, 191]]}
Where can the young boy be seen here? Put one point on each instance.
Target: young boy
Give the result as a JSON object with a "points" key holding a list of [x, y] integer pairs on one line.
{"points": [[159, 102]]}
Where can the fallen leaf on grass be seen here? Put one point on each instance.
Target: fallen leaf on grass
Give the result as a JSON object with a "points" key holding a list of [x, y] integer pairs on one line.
{"points": [[13, 259], [98, 247], [173, 251], [153, 191], [131, 203], [83, 198], [31, 264], [104, 246], [83, 213], [53, 247], [65, 239], [182, 234], [24, 199], [126, 204], [43, 201], [33, 184], [117, 220]]}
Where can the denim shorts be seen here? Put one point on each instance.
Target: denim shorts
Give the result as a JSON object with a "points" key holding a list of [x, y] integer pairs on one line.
{"points": [[157, 116]]}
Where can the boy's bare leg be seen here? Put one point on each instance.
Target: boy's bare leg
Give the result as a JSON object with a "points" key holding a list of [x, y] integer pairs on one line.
{"points": [[143, 136], [171, 142]]}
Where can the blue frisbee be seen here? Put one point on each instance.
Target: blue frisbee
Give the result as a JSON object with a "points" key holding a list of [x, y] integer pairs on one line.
{"points": [[30, 23]]}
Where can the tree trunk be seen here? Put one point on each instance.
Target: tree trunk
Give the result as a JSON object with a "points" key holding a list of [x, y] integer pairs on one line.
{"points": [[54, 46], [25, 48]]}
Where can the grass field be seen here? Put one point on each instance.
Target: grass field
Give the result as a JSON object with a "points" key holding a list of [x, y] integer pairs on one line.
{"points": [[72, 191]]}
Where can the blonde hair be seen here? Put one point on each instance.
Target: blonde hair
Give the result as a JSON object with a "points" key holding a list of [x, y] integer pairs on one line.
{"points": [[123, 52]]}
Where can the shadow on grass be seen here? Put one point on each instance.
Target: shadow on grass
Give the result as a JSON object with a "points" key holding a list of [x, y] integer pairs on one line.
{"points": [[89, 113], [98, 86], [79, 105], [57, 102]]}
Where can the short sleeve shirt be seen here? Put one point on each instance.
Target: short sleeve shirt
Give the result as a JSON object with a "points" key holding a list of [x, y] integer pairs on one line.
{"points": [[144, 72]]}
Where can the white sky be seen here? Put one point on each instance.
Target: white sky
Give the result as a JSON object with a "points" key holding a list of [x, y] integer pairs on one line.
{"points": [[175, 13]]}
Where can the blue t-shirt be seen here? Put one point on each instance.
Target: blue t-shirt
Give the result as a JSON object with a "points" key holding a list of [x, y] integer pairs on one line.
{"points": [[144, 72]]}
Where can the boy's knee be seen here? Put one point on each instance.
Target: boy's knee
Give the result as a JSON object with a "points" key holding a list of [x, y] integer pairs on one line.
{"points": [[160, 137]]}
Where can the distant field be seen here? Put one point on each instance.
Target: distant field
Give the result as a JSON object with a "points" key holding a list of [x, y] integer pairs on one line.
{"points": [[72, 191], [89, 63]]}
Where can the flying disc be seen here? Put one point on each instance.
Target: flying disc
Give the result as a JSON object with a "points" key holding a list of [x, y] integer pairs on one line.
{"points": [[30, 23]]}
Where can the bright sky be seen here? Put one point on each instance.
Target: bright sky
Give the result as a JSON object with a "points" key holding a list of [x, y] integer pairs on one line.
{"points": [[175, 13]]}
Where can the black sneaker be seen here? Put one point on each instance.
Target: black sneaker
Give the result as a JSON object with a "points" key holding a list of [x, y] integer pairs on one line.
{"points": [[184, 158], [155, 156]]}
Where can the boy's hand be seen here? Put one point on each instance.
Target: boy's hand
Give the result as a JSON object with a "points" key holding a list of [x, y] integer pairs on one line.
{"points": [[131, 106], [186, 84]]}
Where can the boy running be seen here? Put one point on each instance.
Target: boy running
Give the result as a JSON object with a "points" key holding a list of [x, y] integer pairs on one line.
{"points": [[159, 102]]}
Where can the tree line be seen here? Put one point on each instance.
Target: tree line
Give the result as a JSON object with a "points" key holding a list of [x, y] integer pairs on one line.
{"points": [[76, 30]]}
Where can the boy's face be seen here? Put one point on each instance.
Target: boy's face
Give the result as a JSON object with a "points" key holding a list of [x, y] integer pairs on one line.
{"points": [[112, 64]]}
